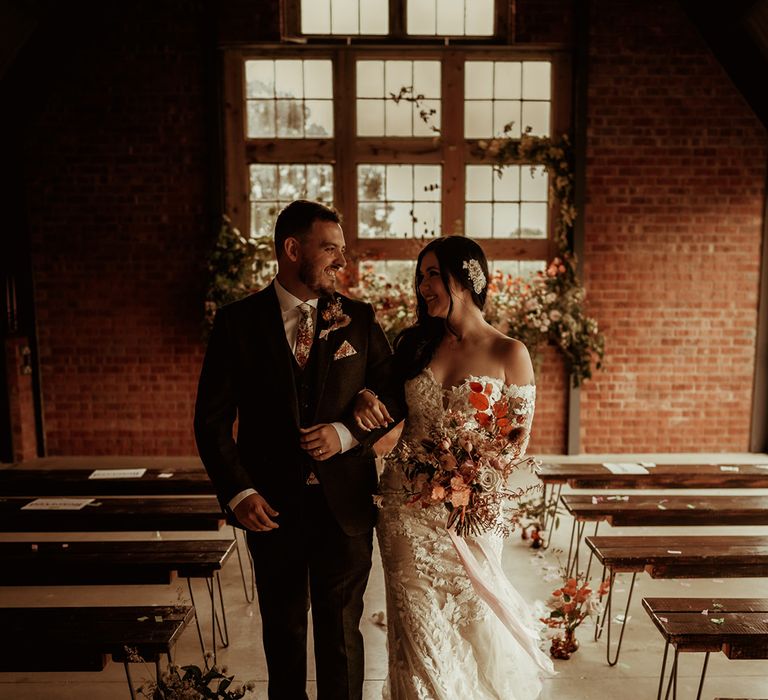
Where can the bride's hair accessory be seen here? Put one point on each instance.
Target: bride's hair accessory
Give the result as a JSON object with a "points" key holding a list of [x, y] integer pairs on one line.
{"points": [[475, 274]]}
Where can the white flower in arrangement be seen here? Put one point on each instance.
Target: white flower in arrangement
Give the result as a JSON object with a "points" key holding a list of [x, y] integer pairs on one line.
{"points": [[551, 298], [532, 304], [489, 479], [555, 315]]}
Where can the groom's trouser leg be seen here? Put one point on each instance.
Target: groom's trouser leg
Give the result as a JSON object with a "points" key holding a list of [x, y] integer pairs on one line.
{"points": [[339, 565], [282, 585]]}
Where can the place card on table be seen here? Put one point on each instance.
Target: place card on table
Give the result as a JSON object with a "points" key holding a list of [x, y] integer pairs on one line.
{"points": [[58, 504], [729, 468], [625, 468], [165, 475], [117, 473]]}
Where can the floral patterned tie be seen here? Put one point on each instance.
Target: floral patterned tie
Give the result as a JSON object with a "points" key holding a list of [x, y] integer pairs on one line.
{"points": [[304, 335]]}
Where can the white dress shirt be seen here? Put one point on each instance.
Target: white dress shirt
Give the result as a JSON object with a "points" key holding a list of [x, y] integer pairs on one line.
{"points": [[290, 307]]}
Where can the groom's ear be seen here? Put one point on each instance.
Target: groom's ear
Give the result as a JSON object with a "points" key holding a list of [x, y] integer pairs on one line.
{"points": [[291, 248]]}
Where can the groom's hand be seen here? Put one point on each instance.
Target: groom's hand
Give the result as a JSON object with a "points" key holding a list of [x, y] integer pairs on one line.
{"points": [[320, 441], [254, 513]]}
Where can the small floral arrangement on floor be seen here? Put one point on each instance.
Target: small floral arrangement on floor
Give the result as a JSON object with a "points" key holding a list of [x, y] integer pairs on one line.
{"points": [[465, 465], [193, 683], [569, 606]]}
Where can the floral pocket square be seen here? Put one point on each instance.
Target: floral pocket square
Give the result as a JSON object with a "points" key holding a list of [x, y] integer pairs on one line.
{"points": [[345, 350]]}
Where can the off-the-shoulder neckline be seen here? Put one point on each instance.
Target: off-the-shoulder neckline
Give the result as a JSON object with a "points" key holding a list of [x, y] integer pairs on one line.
{"points": [[475, 377]]}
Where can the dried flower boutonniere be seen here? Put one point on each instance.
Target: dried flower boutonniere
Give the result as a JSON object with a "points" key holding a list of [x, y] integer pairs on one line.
{"points": [[335, 317]]}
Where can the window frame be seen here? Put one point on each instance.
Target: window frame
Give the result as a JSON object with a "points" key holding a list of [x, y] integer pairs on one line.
{"points": [[290, 28], [345, 150]]}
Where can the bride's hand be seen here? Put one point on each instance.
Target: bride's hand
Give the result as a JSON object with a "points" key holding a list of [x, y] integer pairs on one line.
{"points": [[369, 412]]}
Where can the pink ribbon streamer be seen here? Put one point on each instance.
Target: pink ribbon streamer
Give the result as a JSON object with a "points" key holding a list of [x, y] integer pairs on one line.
{"points": [[510, 618]]}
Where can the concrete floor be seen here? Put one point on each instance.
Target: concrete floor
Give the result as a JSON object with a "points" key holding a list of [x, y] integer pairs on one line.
{"points": [[585, 676]]}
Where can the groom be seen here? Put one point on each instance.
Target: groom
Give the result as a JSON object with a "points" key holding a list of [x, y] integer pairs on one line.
{"points": [[286, 363]]}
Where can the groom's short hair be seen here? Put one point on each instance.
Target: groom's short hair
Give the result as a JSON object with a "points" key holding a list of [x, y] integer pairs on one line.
{"points": [[297, 218]]}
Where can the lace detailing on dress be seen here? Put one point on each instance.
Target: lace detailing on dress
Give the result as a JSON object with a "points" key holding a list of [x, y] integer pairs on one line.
{"points": [[444, 642]]}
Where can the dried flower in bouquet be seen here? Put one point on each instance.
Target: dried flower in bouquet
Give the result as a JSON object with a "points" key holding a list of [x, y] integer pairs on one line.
{"points": [[465, 465]]}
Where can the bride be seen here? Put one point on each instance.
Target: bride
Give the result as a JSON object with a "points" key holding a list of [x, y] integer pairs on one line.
{"points": [[455, 626]]}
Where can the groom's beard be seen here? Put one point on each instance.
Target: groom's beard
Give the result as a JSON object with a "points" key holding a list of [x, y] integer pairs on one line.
{"points": [[316, 279]]}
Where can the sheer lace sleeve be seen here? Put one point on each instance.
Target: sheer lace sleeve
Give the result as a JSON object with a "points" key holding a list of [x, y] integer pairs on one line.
{"points": [[522, 402]]}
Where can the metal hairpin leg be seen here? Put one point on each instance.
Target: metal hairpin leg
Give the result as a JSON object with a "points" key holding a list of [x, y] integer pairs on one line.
{"points": [[548, 505], [663, 668], [600, 621], [130, 681], [249, 597], [703, 674], [225, 633], [214, 617], [672, 684], [607, 616], [572, 564]]}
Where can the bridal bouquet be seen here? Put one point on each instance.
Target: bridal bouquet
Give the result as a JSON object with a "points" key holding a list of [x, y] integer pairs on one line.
{"points": [[465, 464]]}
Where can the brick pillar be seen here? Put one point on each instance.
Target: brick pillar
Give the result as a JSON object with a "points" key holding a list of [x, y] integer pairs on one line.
{"points": [[18, 370]]}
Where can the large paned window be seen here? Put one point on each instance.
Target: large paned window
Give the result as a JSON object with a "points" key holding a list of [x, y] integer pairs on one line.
{"points": [[392, 133]]}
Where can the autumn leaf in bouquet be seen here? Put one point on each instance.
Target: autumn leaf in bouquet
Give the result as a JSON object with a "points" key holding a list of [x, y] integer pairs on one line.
{"points": [[465, 465]]}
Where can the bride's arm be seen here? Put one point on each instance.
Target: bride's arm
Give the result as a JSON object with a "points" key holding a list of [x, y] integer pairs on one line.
{"points": [[521, 382]]}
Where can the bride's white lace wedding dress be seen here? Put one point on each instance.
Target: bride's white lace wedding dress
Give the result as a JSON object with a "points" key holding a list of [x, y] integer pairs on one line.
{"points": [[445, 642]]}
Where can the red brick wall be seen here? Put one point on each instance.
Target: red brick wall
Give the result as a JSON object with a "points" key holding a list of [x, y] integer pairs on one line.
{"points": [[116, 176], [117, 170], [676, 175]]}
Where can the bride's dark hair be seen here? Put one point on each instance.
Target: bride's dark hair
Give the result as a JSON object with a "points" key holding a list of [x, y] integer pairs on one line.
{"points": [[415, 346]]}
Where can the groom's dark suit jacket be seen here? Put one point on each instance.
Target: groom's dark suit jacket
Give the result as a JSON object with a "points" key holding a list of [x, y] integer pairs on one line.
{"points": [[248, 374]]}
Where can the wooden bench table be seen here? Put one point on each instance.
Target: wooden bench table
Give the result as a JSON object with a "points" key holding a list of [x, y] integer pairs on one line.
{"points": [[662, 476], [675, 556], [657, 511], [115, 515], [63, 483], [122, 563], [76, 482], [80, 639], [555, 475], [736, 626]]}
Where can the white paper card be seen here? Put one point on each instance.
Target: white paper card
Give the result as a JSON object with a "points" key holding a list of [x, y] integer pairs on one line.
{"points": [[624, 468], [58, 504], [728, 468], [165, 475], [117, 473]]}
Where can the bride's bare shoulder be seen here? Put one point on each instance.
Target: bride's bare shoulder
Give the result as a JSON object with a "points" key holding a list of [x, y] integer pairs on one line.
{"points": [[513, 354]]}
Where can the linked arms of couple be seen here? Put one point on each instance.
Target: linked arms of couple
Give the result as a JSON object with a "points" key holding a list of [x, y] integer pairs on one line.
{"points": [[321, 442]]}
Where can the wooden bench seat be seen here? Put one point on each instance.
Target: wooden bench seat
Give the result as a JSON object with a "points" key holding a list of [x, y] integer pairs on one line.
{"points": [[76, 482], [684, 556], [123, 563], [639, 510], [110, 563], [662, 476], [657, 511], [736, 626], [115, 515], [675, 556], [81, 639]]}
